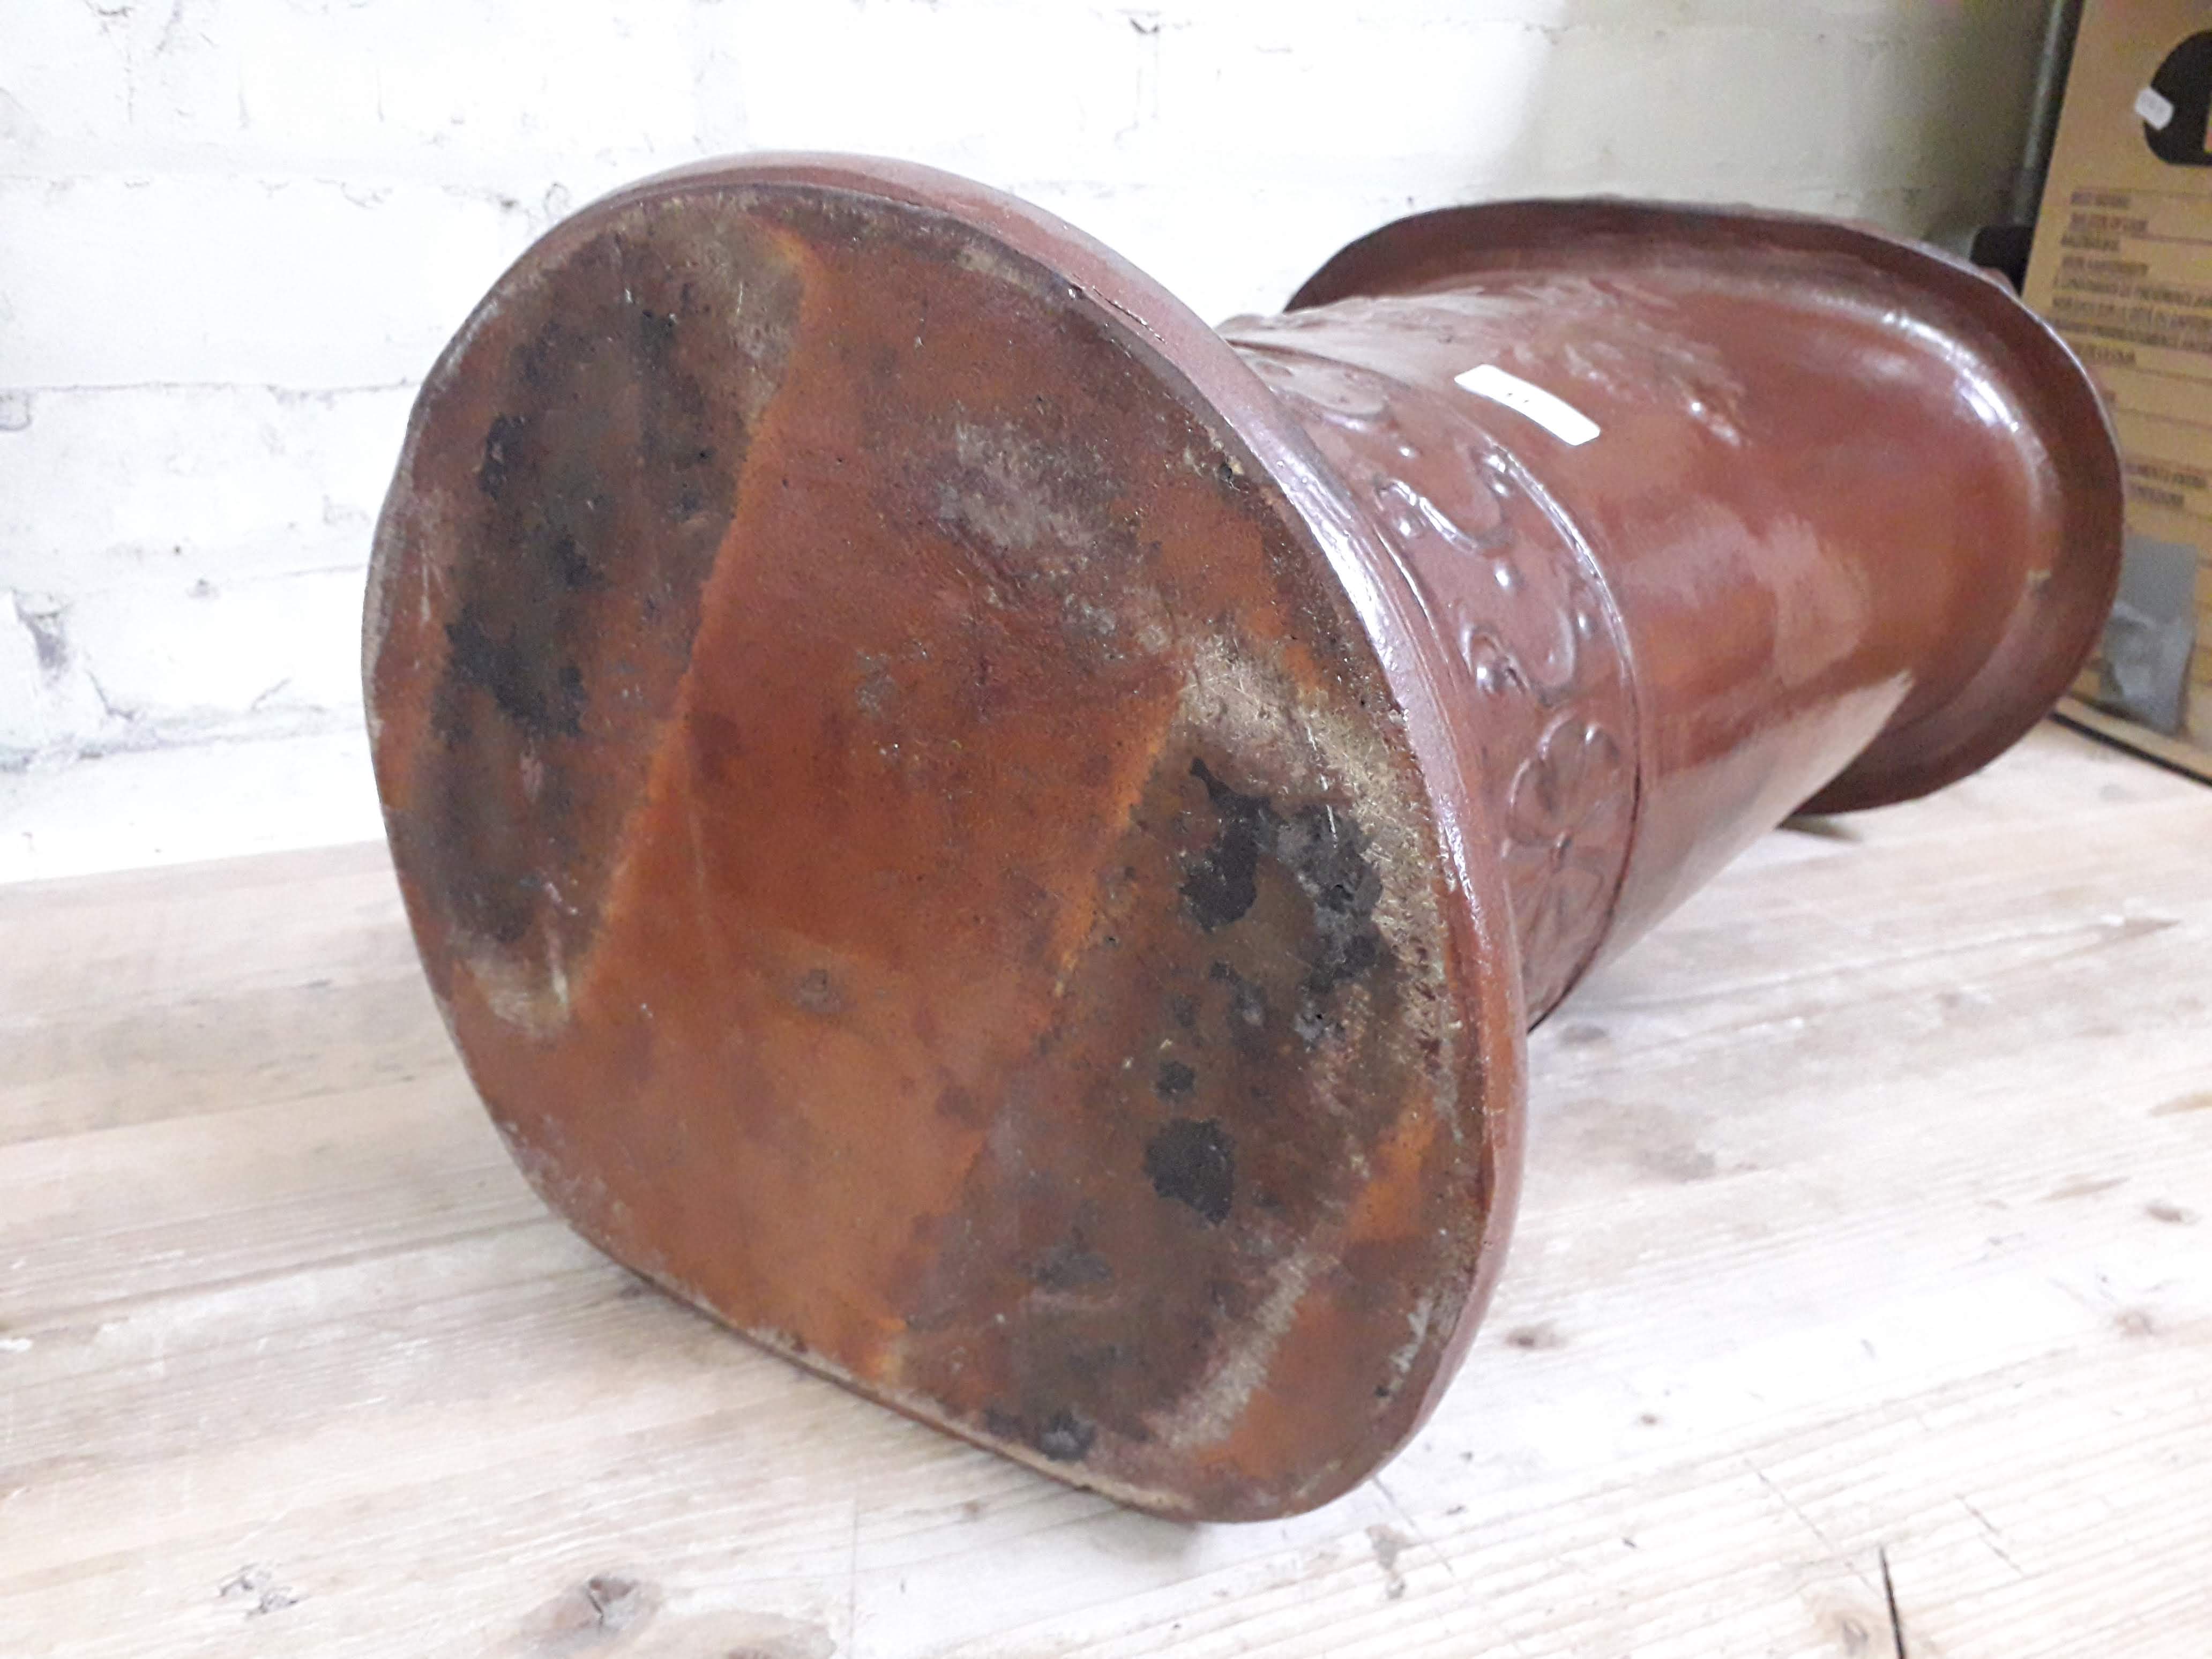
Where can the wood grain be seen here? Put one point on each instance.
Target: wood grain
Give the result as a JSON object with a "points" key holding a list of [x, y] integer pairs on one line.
{"points": [[1868, 1218]]}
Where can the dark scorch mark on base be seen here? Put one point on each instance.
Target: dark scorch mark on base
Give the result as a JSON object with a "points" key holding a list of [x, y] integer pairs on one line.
{"points": [[1070, 1265], [1065, 1438], [568, 490], [1324, 852], [1193, 1162], [1062, 1436], [1222, 882], [544, 698]]}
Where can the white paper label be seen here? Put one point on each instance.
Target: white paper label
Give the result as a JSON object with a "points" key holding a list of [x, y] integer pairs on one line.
{"points": [[1555, 414], [2155, 107]]}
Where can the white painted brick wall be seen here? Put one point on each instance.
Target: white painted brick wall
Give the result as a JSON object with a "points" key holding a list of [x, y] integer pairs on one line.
{"points": [[235, 233]]}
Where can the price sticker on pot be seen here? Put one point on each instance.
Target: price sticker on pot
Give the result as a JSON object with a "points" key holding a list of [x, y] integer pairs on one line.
{"points": [[1555, 414]]}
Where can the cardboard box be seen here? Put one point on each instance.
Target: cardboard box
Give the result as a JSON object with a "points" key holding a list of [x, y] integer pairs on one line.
{"points": [[2122, 266]]}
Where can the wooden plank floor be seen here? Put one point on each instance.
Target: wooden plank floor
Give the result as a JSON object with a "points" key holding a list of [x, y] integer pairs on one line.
{"points": [[1867, 1247]]}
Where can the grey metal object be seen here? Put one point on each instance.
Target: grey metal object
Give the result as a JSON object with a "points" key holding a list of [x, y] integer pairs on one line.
{"points": [[2151, 633], [2051, 61]]}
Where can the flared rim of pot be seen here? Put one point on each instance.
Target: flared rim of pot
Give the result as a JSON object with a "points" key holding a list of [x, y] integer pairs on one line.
{"points": [[1017, 742], [2010, 357]]}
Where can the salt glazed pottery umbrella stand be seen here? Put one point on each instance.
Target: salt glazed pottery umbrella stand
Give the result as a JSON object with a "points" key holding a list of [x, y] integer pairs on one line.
{"points": [[1004, 843]]}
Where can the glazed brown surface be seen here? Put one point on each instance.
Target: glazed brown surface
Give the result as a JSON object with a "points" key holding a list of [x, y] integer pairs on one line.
{"points": [[1512, 609], [1855, 505], [905, 836], [1005, 847]]}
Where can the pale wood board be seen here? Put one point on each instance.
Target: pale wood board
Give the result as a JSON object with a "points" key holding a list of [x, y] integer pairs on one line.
{"points": [[2184, 755], [1869, 1218]]}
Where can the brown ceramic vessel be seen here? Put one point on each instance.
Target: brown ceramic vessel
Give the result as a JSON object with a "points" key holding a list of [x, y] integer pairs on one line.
{"points": [[1003, 843]]}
